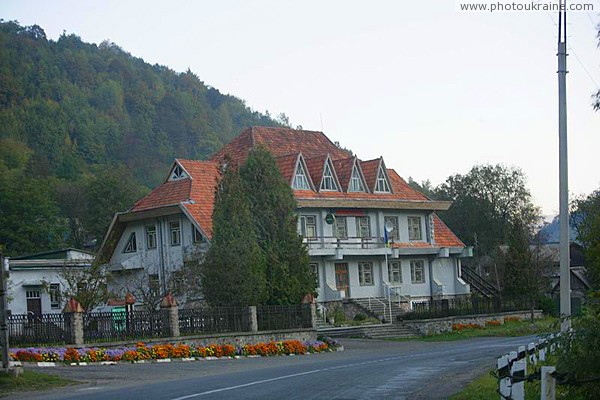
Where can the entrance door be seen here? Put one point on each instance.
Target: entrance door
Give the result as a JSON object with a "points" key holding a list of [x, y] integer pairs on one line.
{"points": [[34, 303], [342, 281]]}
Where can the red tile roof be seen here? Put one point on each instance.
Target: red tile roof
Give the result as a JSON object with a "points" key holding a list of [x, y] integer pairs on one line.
{"points": [[167, 194], [369, 169], [315, 167], [287, 166], [280, 142], [443, 235], [343, 168]]}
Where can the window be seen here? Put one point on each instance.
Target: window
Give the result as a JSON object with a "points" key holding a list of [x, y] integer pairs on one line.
{"points": [[154, 284], [54, 292], [177, 282], [328, 182], [382, 184], [341, 229], [314, 267], [393, 221], [300, 178], [395, 272], [131, 245], [198, 238], [414, 228], [417, 271], [178, 173], [32, 294], [365, 273], [175, 233], [356, 184], [363, 229], [151, 237], [308, 226]]}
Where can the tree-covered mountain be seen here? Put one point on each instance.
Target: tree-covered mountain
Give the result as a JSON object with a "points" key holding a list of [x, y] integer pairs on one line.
{"points": [[80, 120]]}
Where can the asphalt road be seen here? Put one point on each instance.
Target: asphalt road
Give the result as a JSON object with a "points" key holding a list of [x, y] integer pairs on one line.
{"points": [[368, 369]]}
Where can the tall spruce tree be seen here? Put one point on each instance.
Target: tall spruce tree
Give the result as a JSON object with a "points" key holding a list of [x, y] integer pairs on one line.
{"points": [[273, 208], [233, 272]]}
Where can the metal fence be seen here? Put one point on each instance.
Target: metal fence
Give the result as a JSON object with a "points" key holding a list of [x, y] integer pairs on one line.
{"points": [[214, 320], [31, 329], [464, 306], [122, 325], [272, 318]]}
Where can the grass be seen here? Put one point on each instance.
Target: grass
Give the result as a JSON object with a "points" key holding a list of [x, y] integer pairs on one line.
{"points": [[509, 329], [30, 380]]}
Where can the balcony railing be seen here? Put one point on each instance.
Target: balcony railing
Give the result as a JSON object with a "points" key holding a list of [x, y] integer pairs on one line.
{"points": [[350, 242]]}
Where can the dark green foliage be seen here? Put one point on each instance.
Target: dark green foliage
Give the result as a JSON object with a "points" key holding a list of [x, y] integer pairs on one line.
{"points": [[273, 208], [487, 203], [586, 220], [71, 109], [234, 270]]}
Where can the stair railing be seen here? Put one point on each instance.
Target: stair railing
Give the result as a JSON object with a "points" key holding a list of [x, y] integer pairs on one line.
{"points": [[385, 306]]}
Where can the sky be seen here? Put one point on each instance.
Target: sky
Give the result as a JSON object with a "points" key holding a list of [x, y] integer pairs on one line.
{"points": [[433, 90]]}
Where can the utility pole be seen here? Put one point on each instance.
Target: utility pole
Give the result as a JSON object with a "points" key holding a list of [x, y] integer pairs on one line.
{"points": [[563, 166], [3, 324]]}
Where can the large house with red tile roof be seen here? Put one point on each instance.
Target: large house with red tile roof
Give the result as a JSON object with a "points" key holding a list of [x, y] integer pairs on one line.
{"points": [[353, 214]]}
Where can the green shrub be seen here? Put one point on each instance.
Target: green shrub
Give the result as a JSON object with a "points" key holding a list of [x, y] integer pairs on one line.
{"points": [[360, 317]]}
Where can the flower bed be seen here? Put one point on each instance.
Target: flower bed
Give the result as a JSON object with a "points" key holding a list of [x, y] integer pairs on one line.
{"points": [[461, 327], [163, 351]]}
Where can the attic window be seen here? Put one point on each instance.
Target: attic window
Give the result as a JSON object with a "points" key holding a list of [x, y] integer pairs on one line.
{"points": [[328, 182], [356, 184], [131, 246], [178, 173], [300, 179], [382, 182]]}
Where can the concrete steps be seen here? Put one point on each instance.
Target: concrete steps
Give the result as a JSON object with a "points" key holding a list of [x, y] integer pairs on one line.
{"points": [[381, 331], [379, 308]]}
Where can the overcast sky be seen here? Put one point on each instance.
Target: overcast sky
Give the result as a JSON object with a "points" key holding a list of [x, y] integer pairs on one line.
{"points": [[432, 90]]}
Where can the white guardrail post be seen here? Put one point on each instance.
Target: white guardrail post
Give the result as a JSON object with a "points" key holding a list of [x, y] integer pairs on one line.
{"points": [[548, 383]]}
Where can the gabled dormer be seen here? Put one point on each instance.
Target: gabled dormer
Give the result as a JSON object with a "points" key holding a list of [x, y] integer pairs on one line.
{"points": [[329, 180], [177, 172], [301, 179], [382, 182], [357, 182]]}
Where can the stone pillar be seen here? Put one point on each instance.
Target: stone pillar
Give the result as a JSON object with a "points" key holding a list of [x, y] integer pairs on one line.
{"points": [[253, 323], [169, 305], [74, 322], [313, 315]]}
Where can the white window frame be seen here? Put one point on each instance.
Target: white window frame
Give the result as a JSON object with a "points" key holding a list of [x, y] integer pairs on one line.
{"points": [[361, 226], [341, 222], [175, 233], [178, 173], [328, 181], [414, 228], [131, 244], [417, 271], [356, 182], [382, 185], [395, 272], [365, 273], [395, 234], [305, 224], [151, 237], [54, 293], [33, 294], [300, 177]]}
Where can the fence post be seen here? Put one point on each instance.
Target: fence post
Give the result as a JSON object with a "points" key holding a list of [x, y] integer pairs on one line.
{"points": [[548, 383], [169, 305], [542, 350], [73, 322], [313, 315], [531, 351], [518, 371], [503, 368], [253, 319]]}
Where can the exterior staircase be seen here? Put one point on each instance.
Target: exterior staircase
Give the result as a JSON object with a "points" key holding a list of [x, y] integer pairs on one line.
{"points": [[479, 283], [380, 331], [378, 307]]}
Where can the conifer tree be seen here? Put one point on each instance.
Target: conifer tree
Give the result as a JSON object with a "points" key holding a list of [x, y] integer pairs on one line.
{"points": [[273, 208], [233, 272]]}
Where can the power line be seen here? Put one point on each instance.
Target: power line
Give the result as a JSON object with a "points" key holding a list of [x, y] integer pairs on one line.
{"points": [[572, 50]]}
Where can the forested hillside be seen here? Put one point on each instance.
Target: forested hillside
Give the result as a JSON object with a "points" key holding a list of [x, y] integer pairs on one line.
{"points": [[85, 129]]}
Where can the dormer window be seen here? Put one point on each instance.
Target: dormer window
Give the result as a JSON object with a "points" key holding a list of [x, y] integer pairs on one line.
{"points": [[328, 182], [131, 245], [356, 183], [178, 173], [300, 177], [382, 184]]}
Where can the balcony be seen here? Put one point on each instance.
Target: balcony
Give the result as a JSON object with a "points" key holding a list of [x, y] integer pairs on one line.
{"points": [[361, 246]]}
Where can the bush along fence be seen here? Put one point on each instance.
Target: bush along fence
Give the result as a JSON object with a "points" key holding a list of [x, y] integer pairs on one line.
{"points": [[142, 352], [463, 306], [76, 327]]}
